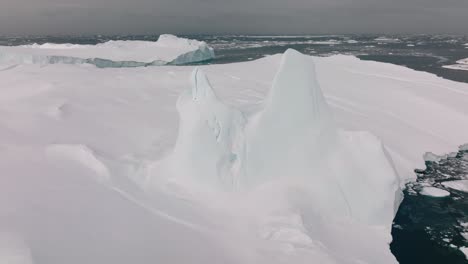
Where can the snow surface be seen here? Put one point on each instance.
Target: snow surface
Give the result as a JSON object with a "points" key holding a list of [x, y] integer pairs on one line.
{"points": [[169, 49], [461, 185], [13, 250], [434, 192], [129, 166]]}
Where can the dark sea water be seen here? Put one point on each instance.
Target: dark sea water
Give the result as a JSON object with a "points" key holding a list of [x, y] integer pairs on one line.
{"points": [[430, 230], [426, 230], [420, 52]]}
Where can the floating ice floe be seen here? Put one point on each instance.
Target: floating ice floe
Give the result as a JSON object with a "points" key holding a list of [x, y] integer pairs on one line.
{"points": [[460, 185], [465, 251], [460, 65], [434, 192], [387, 40], [169, 49]]}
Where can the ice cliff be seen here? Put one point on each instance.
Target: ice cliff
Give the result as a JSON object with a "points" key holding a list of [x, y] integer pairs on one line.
{"points": [[168, 50]]}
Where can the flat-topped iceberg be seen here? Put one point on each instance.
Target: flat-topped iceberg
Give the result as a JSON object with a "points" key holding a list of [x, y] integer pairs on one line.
{"points": [[169, 49]]}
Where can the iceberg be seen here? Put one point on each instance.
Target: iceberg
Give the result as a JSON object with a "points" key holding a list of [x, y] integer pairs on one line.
{"points": [[292, 145], [129, 166], [207, 148], [168, 50]]}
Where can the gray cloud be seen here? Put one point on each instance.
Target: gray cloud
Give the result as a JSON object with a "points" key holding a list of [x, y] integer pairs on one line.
{"points": [[232, 16]]}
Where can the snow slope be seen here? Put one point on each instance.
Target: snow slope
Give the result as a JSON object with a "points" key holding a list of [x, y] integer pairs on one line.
{"points": [[168, 49], [88, 171]]}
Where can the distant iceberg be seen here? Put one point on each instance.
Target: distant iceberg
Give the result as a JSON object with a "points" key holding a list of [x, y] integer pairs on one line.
{"points": [[384, 39], [168, 50]]}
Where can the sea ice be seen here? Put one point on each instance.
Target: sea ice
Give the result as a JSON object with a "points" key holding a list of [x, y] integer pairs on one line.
{"points": [[434, 192], [465, 251], [460, 65], [461, 185]]}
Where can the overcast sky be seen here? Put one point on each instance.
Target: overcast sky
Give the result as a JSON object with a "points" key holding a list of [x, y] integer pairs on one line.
{"points": [[20, 17]]}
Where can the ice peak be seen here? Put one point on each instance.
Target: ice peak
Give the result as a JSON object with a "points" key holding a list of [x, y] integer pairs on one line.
{"points": [[295, 86], [293, 141], [201, 87]]}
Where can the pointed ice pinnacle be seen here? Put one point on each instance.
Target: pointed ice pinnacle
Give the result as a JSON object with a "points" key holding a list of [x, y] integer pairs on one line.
{"points": [[201, 87], [296, 95], [209, 145], [295, 116], [293, 141]]}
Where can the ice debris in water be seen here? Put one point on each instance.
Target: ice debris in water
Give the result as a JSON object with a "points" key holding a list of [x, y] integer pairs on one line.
{"points": [[434, 192]]}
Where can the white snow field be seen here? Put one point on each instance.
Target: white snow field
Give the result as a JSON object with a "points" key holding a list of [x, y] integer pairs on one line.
{"points": [[169, 49], [460, 65], [235, 163]]}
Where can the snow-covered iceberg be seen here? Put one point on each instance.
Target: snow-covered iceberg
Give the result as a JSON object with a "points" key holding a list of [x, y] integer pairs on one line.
{"points": [[291, 149], [169, 49], [78, 143]]}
